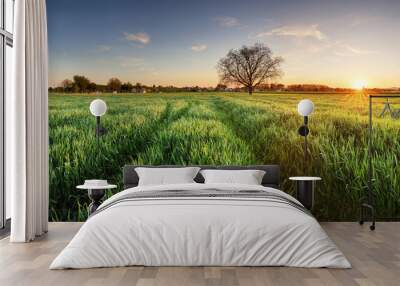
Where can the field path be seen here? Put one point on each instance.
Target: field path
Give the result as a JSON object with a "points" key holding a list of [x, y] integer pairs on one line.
{"points": [[173, 111], [247, 123], [197, 137]]}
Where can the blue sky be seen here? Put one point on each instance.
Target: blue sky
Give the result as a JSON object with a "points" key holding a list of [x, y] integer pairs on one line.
{"points": [[179, 42]]}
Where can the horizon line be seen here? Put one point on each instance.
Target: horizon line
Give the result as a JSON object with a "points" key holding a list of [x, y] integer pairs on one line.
{"points": [[215, 85]]}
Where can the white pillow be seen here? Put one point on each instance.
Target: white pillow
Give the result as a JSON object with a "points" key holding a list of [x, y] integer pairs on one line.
{"points": [[166, 176], [248, 177]]}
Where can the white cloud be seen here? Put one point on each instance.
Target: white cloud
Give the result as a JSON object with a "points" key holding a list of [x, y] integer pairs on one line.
{"points": [[142, 38], [346, 50], [300, 31], [103, 48], [199, 48], [333, 47], [358, 51], [227, 22]]}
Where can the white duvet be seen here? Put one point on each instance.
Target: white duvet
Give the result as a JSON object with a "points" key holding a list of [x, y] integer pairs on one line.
{"points": [[199, 231]]}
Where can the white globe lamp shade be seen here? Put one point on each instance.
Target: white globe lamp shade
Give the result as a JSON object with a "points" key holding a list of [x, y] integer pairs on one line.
{"points": [[305, 107], [98, 107]]}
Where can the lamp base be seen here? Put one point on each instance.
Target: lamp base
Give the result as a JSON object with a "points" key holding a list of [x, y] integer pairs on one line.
{"points": [[95, 195], [303, 130]]}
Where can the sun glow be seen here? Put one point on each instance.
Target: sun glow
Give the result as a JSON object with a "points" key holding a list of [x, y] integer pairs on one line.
{"points": [[359, 84]]}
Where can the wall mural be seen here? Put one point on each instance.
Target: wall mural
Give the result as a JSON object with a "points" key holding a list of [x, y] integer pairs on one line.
{"points": [[219, 83]]}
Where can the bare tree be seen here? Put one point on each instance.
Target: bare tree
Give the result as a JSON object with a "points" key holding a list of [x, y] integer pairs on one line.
{"points": [[249, 66]]}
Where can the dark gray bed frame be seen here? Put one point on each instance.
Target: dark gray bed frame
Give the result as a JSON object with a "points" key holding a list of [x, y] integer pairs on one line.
{"points": [[270, 179]]}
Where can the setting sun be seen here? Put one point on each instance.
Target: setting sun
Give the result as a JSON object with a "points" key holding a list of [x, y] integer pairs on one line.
{"points": [[359, 84]]}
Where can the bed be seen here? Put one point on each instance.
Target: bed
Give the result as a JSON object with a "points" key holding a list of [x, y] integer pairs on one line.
{"points": [[198, 224]]}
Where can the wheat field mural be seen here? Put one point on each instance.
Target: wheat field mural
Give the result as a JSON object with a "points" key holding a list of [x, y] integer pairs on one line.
{"points": [[224, 129]]}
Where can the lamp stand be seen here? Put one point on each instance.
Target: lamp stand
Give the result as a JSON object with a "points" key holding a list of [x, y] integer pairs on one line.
{"points": [[305, 141], [100, 131], [303, 131], [98, 135]]}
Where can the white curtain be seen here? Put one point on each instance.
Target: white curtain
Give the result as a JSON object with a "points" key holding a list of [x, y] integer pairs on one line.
{"points": [[27, 123]]}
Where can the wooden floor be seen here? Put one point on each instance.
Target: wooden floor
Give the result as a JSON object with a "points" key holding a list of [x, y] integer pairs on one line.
{"points": [[375, 257]]}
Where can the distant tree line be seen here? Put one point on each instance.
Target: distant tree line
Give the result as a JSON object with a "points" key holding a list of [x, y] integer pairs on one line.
{"points": [[279, 87], [315, 88], [81, 84]]}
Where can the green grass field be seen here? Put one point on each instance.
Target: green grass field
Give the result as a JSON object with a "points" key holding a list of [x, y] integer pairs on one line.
{"points": [[223, 128]]}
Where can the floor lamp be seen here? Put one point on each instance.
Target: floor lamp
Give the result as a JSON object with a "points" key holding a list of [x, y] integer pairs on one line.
{"points": [[96, 192], [98, 108], [305, 108]]}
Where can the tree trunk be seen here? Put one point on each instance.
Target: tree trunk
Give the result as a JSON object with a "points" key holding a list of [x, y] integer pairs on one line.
{"points": [[250, 88]]}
